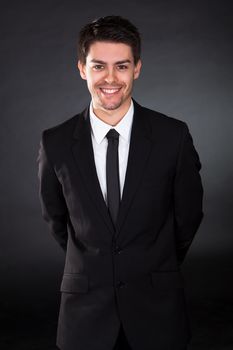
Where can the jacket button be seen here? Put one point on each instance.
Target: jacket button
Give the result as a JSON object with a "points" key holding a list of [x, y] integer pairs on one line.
{"points": [[118, 250], [121, 284]]}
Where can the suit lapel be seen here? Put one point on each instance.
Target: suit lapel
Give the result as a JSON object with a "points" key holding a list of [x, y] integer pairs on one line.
{"points": [[140, 146], [84, 156]]}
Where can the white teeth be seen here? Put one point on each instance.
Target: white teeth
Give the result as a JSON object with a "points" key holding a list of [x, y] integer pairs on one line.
{"points": [[110, 91]]}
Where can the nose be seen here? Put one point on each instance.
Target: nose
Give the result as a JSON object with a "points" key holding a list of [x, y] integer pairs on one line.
{"points": [[110, 76]]}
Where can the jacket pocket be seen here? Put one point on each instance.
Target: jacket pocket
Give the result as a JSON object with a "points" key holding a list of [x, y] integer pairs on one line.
{"points": [[74, 283], [167, 280]]}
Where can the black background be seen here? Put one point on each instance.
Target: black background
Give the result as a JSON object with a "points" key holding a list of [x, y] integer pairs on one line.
{"points": [[187, 74]]}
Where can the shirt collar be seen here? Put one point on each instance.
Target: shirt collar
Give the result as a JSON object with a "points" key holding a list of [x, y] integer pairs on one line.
{"points": [[100, 128]]}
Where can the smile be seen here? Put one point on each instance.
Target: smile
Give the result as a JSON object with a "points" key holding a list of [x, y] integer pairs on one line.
{"points": [[110, 91]]}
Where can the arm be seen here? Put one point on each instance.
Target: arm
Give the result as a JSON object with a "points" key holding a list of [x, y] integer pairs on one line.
{"points": [[188, 194], [53, 205]]}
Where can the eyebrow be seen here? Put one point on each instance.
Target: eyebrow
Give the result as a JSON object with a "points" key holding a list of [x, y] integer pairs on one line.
{"points": [[118, 62]]}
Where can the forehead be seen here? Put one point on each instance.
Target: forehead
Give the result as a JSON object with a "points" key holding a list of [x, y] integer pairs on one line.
{"points": [[109, 52]]}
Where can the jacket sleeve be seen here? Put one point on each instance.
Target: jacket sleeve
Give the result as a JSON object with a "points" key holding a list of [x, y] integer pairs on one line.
{"points": [[188, 195], [54, 209]]}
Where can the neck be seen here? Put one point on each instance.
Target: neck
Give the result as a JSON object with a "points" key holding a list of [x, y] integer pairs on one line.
{"points": [[112, 117]]}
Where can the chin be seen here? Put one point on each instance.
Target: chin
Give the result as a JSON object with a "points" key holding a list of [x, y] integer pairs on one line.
{"points": [[111, 107]]}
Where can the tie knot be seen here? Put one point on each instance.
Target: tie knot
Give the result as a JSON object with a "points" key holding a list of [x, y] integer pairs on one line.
{"points": [[112, 134]]}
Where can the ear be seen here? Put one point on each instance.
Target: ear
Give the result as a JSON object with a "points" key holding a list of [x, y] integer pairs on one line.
{"points": [[137, 69], [82, 70]]}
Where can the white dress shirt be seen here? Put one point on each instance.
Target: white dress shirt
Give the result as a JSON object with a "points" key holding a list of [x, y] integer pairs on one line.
{"points": [[99, 129]]}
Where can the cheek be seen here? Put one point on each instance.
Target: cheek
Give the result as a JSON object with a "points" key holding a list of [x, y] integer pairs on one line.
{"points": [[129, 82], [95, 81], [91, 82]]}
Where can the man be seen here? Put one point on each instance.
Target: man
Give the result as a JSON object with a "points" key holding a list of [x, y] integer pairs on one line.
{"points": [[121, 191]]}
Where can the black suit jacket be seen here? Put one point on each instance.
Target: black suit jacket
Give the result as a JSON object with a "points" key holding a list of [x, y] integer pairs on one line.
{"points": [[130, 273]]}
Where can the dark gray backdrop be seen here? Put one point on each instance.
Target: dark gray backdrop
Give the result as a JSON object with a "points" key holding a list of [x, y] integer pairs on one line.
{"points": [[187, 74]]}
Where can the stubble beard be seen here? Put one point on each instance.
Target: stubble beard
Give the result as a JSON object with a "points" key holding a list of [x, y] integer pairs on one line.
{"points": [[111, 107]]}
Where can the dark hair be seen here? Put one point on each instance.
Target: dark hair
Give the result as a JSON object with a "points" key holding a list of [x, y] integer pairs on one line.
{"points": [[110, 29]]}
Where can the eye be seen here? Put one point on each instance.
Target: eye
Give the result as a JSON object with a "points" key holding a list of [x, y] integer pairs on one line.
{"points": [[122, 67], [98, 67]]}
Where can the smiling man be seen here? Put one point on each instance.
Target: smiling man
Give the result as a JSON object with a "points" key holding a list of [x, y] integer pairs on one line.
{"points": [[110, 70], [121, 191]]}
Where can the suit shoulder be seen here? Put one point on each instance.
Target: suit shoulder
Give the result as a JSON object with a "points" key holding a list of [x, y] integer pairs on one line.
{"points": [[59, 129], [159, 119], [61, 133]]}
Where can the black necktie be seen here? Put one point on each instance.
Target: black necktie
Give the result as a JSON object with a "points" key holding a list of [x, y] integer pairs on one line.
{"points": [[112, 174]]}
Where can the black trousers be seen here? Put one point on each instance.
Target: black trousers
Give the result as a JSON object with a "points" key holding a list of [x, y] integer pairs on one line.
{"points": [[122, 343]]}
